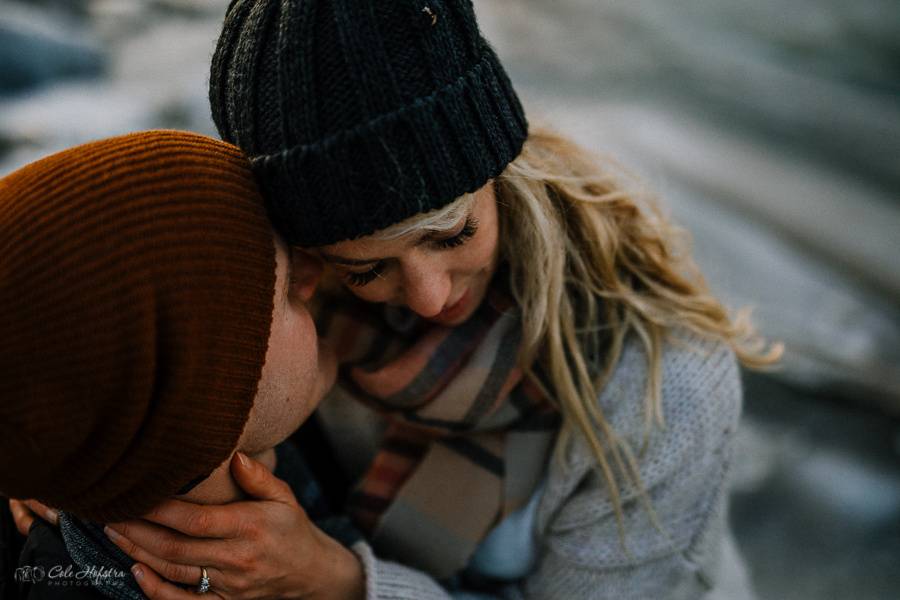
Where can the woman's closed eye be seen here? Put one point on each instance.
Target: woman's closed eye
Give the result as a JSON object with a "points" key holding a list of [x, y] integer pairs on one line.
{"points": [[361, 279], [470, 228], [455, 240]]}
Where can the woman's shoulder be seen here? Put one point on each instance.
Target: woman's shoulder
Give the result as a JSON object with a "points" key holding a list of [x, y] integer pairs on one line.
{"points": [[682, 463], [690, 363], [695, 365], [699, 388], [700, 403]]}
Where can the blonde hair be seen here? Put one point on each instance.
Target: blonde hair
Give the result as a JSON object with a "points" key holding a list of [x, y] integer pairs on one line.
{"points": [[436, 221], [591, 261]]}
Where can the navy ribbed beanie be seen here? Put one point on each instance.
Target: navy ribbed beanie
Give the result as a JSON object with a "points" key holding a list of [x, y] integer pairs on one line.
{"points": [[358, 114]]}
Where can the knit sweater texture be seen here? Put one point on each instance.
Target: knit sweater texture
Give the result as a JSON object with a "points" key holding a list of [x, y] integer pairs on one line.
{"points": [[684, 470]]}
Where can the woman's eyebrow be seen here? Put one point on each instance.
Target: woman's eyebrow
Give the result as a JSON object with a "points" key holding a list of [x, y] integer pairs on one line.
{"points": [[427, 236], [352, 262]]}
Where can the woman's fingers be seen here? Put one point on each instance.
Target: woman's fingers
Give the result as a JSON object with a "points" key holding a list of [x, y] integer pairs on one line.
{"points": [[140, 538], [268, 548], [258, 481], [24, 511], [188, 574], [22, 515], [156, 588], [228, 520], [51, 515], [172, 571], [196, 520]]}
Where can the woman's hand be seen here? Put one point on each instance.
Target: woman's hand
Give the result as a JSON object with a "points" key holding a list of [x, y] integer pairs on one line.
{"points": [[24, 512], [263, 548]]}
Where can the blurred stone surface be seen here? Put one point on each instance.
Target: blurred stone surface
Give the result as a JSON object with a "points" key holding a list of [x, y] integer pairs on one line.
{"points": [[77, 8], [37, 49], [819, 75], [784, 221], [156, 78], [113, 17], [816, 502], [814, 253]]}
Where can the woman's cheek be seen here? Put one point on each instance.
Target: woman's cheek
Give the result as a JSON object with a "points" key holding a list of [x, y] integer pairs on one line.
{"points": [[485, 254], [374, 291]]}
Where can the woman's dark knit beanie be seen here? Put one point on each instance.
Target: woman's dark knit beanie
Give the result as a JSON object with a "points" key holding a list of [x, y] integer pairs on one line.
{"points": [[358, 114], [137, 277]]}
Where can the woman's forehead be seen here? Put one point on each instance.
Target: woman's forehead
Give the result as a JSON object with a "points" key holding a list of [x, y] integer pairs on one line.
{"points": [[366, 250], [406, 234]]}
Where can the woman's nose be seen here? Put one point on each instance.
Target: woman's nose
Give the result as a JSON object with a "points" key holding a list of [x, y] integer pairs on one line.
{"points": [[426, 289]]}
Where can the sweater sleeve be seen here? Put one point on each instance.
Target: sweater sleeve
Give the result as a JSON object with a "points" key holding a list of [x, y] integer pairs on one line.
{"points": [[386, 580], [674, 554], [683, 469]]}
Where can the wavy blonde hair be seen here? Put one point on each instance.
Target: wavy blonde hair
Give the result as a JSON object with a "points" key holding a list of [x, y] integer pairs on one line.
{"points": [[592, 261]]}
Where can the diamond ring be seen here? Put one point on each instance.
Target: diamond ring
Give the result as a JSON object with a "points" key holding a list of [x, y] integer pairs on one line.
{"points": [[203, 586]]}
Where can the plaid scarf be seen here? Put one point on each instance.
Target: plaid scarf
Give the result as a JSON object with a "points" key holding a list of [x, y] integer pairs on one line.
{"points": [[467, 435]]}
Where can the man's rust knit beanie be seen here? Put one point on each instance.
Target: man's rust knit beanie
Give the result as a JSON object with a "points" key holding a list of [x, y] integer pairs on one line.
{"points": [[136, 292]]}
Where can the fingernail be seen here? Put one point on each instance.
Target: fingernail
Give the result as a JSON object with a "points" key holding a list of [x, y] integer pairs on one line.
{"points": [[112, 533], [137, 571], [52, 515], [245, 462]]}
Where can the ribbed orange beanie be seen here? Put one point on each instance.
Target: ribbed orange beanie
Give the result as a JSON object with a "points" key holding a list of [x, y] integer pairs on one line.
{"points": [[136, 293]]}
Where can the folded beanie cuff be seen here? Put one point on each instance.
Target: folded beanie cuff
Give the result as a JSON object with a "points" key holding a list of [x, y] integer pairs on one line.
{"points": [[409, 161]]}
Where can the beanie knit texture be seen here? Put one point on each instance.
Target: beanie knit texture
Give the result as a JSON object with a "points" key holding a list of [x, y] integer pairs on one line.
{"points": [[359, 114], [136, 292]]}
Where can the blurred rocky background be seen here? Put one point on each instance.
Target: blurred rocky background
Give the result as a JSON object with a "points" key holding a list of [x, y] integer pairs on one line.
{"points": [[770, 130]]}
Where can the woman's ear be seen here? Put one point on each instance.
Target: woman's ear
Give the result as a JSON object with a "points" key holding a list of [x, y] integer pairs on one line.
{"points": [[306, 272]]}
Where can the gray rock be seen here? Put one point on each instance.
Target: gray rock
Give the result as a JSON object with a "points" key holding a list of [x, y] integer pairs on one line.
{"points": [[36, 49], [810, 251], [819, 75], [772, 132], [817, 497], [155, 79], [76, 8]]}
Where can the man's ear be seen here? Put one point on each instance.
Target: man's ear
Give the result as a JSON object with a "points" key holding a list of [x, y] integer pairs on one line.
{"points": [[306, 272]]}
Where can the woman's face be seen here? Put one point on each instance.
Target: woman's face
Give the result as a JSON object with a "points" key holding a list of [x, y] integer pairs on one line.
{"points": [[442, 277]]}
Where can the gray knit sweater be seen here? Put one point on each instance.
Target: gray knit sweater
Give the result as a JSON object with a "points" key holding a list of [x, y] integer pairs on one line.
{"points": [[684, 470]]}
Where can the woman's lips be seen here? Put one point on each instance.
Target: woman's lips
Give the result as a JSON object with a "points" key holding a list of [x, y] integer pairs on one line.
{"points": [[451, 312]]}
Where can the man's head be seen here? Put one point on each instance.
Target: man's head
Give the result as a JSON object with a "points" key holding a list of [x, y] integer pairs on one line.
{"points": [[298, 370], [150, 327]]}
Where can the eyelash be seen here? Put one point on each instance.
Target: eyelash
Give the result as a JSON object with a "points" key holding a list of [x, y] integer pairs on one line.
{"points": [[465, 234], [361, 279]]}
